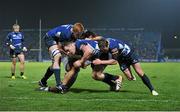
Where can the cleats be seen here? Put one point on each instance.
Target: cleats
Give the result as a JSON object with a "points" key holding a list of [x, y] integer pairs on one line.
{"points": [[60, 89], [23, 77], [13, 77], [44, 89], [118, 84], [42, 84], [154, 93]]}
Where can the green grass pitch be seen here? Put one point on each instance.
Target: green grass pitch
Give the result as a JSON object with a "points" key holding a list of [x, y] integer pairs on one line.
{"points": [[88, 94]]}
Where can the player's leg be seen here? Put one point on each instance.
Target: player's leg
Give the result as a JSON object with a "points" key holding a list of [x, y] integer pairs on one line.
{"points": [[47, 75], [113, 81], [126, 69], [70, 78], [127, 72], [21, 58], [68, 81], [13, 67], [56, 55], [144, 77]]}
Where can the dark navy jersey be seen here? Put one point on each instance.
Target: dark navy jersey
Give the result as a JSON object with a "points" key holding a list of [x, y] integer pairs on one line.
{"points": [[61, 33], [16, 39], [118, 46], [92, 44]]}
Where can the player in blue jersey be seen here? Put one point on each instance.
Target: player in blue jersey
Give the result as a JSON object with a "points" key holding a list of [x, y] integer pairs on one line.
{"points": [[53, 40], [89, 50], [15, 41], [125, 57]]}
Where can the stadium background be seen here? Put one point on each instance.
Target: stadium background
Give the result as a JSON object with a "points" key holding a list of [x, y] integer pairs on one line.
{"points": [[151, 27]]}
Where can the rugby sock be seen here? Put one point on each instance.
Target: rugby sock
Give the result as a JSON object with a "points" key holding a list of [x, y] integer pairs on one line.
{"points": [[57, 76], [147, 82], [108, 79], [13, 74], [22, 73], [48, 74]]}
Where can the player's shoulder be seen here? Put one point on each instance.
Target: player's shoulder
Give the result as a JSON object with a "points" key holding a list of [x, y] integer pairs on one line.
{"points": [[10, 33], [112, 40], [66, 26], [21, 33]]}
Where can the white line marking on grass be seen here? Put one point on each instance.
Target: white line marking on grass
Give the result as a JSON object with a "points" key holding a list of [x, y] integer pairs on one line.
{"points": [[91, 100]]}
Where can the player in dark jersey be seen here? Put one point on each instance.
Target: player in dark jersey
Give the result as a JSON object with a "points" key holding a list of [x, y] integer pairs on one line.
{"points": [[89, 35], [15, 41], [53, 40], [89, 50], [125, 57]]}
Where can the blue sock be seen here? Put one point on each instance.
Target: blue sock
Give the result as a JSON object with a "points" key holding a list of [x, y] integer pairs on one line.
{"points": [[147, 82], [57, 76]]}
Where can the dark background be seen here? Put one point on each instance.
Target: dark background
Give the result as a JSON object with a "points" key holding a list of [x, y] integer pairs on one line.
{"points": [[152, 15]]}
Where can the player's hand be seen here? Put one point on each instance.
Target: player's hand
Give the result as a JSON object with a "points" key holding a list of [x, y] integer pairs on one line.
{"points": [[77, 64], [24, 49], [12, 47], [97, 62]]}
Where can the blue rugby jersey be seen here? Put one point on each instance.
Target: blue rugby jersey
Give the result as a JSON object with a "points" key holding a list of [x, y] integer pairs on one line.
{"points": [[118, 45], [16, 39], [93, 45], [63, 32]]}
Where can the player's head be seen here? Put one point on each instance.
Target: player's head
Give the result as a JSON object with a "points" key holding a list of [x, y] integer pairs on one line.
{"points": [[77, 29], [103, 45], [69, 48], [16, 28], [87, 34]]}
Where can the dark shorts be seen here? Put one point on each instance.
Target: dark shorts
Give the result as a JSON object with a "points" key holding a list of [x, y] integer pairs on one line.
{"points": [[15, 53], [49, 41], [103, 56], [126, 61]]}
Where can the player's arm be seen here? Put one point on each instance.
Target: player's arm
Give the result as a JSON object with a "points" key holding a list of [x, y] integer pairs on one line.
{"points": [[105, 62], [23, 44], [8, 42], [87, 53], [94, 38]]}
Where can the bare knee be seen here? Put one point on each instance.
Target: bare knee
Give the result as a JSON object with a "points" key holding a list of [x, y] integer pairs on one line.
{"points": [[14, 63], [22, 62]]}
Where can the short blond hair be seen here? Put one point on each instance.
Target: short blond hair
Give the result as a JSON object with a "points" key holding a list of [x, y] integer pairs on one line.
{"points": [[15, 26]]}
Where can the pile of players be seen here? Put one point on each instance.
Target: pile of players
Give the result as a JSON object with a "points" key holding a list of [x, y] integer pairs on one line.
{"points": [[80, 48], [83, 48]]}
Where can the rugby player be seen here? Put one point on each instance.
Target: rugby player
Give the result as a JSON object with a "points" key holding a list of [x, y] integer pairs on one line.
{"points": [[89, 50], [125, 57], [15, 41], [53, 40]]}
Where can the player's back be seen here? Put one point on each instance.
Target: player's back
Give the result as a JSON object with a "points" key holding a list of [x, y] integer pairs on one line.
{"points": [[91, 43], [124, 48], [62, 32]]}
